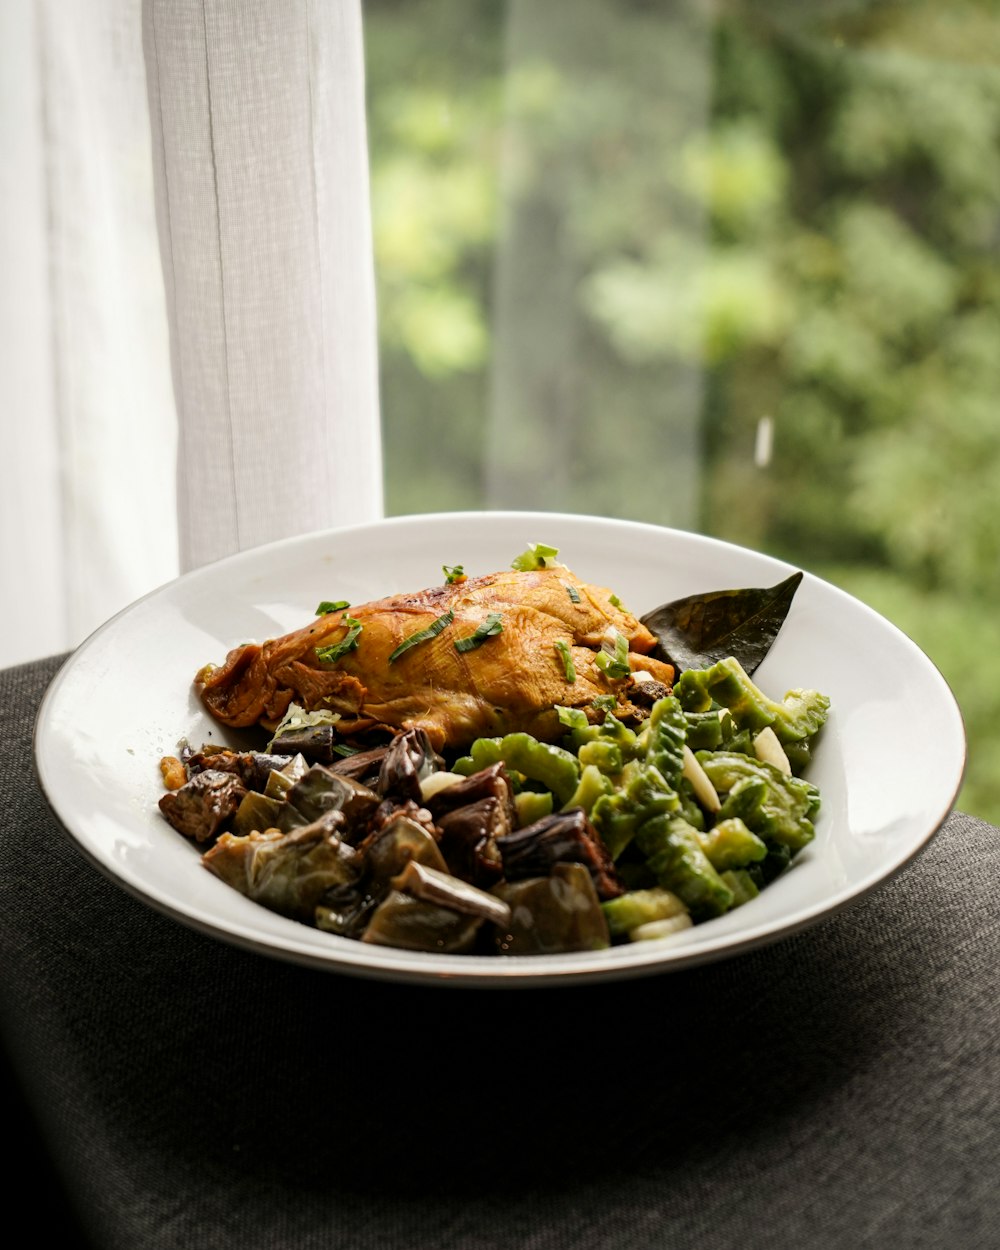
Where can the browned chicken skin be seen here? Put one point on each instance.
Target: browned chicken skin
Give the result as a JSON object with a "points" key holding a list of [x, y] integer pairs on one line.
{"points": [[511, 682]]}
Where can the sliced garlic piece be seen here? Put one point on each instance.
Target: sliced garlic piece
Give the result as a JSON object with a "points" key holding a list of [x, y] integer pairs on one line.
{"points": [[767, 748], [704, 791]]}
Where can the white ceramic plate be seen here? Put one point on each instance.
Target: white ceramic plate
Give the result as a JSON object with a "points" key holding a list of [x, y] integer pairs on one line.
{"points": [[889, 763]]}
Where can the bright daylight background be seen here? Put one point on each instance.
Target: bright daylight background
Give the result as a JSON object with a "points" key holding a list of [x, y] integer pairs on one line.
{"points": [[727, 266]]}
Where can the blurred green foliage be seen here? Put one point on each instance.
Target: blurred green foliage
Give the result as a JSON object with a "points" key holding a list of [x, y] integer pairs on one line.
{"points": [[613, 235]]}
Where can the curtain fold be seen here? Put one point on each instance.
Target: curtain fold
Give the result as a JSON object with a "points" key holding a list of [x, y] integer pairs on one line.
{"points": [[261, 176], [87, 508]]}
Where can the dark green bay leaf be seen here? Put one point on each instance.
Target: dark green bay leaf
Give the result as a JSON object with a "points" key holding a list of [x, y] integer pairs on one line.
{"points": [[702, 629]]}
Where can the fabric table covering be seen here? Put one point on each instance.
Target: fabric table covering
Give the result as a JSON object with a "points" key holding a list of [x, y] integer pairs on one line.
{"points": [[838, 1088]]}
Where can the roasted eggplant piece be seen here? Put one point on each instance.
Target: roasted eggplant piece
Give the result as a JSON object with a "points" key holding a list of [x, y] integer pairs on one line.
{"points": [[316, 743], [553, 914], [448, 891], [233, 859], [471, 815], [489, 783], [321, 790], [203, 805], [409, 759], [409, 923], [562, 838], [430, 910], [399, 841], [363, 766], [345, 909], [257, 813], [281, 780], [288, 873], [252, 767], [469, 840]]}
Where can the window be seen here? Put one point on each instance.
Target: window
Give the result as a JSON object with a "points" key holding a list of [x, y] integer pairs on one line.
{"points": [[725, 267]]}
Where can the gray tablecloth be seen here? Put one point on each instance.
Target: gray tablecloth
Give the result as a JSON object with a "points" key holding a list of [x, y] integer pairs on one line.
{"points": [[836, 1089]]}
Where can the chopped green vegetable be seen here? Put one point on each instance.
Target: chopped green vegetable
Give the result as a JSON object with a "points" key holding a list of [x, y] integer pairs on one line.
{"points": [[730, 844], [540, 761], [569, 668], [532, 805], [628, 911], [326, 607], [604, 702], [799, 716], [674, 853], [704, 730], [603, 754], [453, 573], [537, 556], [574, 719], [641, 794], [611, 730], [423, 635], [614, 601], [592, 786], [783, 807], [689, 806], [778, 859], [666, 734], [489, 628], [573, 593], [743, 802], [348, 643], [742, 884]]}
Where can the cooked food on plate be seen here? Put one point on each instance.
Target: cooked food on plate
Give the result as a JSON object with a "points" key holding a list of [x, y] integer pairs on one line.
{"points": [[506, 764], [462, 660]]}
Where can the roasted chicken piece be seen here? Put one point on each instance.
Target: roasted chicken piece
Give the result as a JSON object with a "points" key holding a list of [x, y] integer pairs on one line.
{"points": [[510, 682]]}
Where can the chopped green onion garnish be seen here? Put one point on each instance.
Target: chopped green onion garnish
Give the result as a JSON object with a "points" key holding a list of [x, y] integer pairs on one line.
{"points": [[343, 749], [567, 659], [573, 593], [604, 702], [614, 601], [326, 607], [538, 556], [492, 625], [423, 635], [453, 573], [614, 663], [348, 643]]}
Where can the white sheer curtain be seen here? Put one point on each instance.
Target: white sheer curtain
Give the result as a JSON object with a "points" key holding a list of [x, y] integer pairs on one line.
{"points": [[258, 171], [261, 168], [87, 503]]}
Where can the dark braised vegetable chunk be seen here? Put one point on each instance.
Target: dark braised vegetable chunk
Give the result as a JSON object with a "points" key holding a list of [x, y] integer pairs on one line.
{"points": [[560, 912], [203, 804], [288, 873], [563, 838]]}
